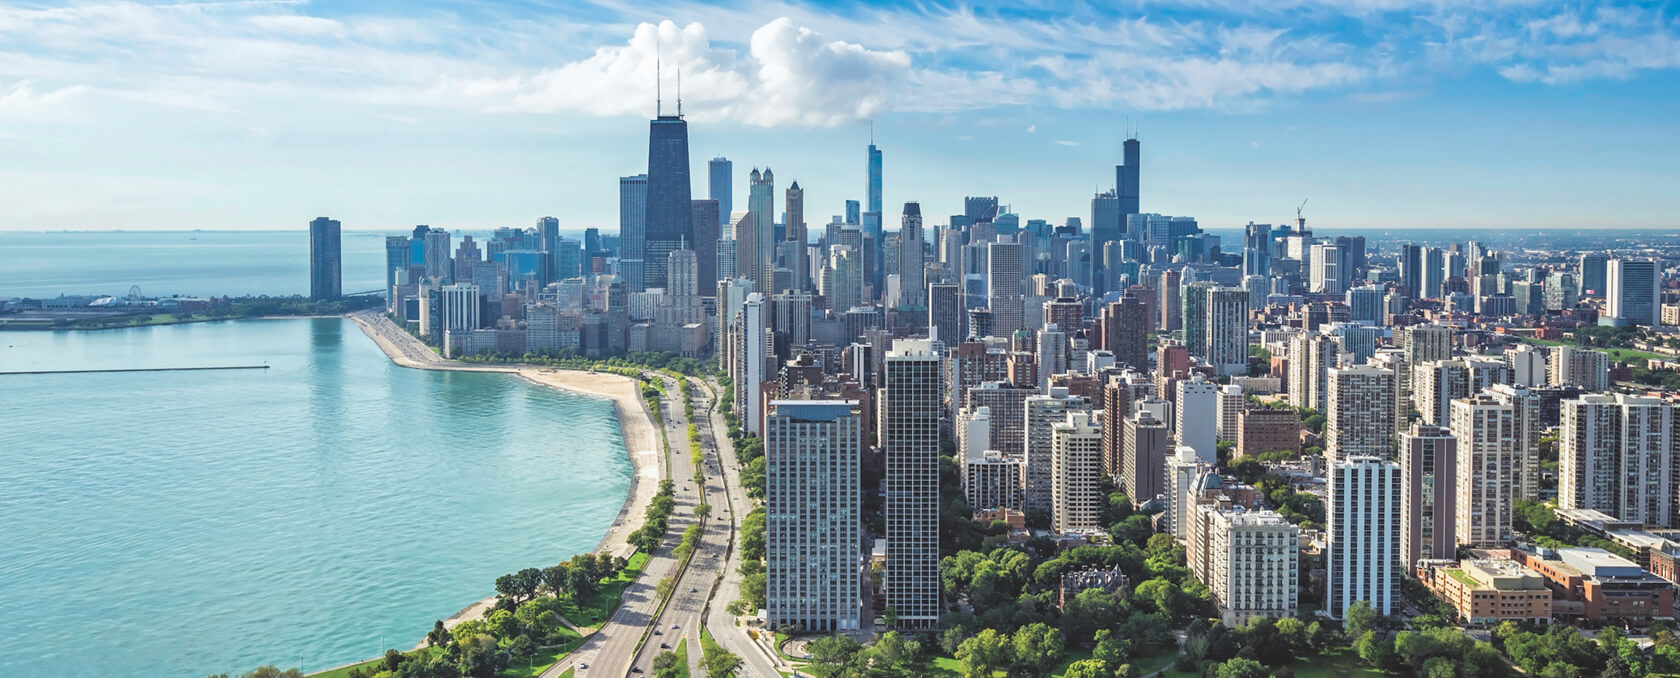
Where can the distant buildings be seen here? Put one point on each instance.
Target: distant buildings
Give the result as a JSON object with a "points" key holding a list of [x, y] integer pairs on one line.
{"points": [[1634, 287]]}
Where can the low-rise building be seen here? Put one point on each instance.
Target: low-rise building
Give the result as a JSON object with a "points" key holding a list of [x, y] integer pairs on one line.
{"points": [[1262, 430], [1597, 586], [1074, 583], [1489, 591]]}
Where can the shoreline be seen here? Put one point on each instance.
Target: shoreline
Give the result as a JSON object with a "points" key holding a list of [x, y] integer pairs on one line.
{"points": [[635, 423]]}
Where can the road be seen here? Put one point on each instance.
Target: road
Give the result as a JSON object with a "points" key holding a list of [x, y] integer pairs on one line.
{"points": [[681, 619], [728, 630]]}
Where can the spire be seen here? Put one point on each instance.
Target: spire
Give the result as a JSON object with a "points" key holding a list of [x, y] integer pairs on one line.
{"points": [[658, 100], [679, 90]]}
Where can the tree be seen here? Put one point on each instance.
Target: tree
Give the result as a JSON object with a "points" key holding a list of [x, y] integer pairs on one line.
{"points": [[1241, 668], [1112, 650], [984, 654], [894, 655], [273, 672], [522, 647], [665, 665], [1037, 648], [833, 652], [950, 639], [1092, 609], [1088, 668], [438, 636], [720, 663], [1378, 652], [1294, 632], [556, 578], [1359, 618], [1135, 529], [664, 588]]}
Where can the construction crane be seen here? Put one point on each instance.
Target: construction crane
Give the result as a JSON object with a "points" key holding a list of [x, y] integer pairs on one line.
{"points": [[1300, 221]]}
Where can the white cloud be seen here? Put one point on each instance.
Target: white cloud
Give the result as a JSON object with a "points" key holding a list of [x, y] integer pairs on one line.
{"points": [[22, 99], [1032, 129], [1068, 143]]}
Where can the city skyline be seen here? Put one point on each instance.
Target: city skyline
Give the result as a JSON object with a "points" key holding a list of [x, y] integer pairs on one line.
{"points": [[1514, 124]]}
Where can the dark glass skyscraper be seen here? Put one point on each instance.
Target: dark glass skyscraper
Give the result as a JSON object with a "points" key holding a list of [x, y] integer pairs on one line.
{"points": [[872, 211], [1126, 178], [325, 259], [670, 216]]}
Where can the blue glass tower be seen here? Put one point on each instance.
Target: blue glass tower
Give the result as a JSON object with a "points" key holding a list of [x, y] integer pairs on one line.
{"points": [[1126, 178], [872, 211], [720, 169]]}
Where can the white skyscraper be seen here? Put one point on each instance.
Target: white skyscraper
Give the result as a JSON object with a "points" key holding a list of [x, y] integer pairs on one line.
{"points": [[1196, 421], [909, 423], [755, 361], [1525, 435], [813, 540], [1635, 287], [632, 229], [1572, 366], [1362, 561], [1076, 469], [1227, 330]]}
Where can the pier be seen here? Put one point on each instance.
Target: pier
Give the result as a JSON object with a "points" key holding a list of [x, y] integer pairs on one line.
{"points": [[142, 369]]}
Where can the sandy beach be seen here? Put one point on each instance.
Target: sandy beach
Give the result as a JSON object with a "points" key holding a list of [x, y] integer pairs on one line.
{"points": [[641, 437]]}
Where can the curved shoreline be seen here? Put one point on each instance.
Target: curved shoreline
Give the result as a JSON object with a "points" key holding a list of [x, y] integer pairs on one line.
{"points": [[635, 424]]}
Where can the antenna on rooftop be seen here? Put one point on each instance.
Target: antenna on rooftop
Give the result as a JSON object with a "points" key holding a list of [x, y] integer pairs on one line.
{"points": [[872, 132], [658, 100], [679, 89]]}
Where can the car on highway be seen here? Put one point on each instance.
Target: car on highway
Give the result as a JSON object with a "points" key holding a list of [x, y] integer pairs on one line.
{"points": [[676, 626]]}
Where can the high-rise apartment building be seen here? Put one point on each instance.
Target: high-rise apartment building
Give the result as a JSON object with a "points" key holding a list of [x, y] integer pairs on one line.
{"points": [[1526, 430], [1572, 366], [326, 260], [1360, 419], [1144, 445], [813, 519], [1125, 331], [1427, 342], [1362, 558], [796, 261], [1040, 415], [1076, 470], [1428, 500], [1310, 358], [909, 425], [1172, 308], [1488, 470], [761, 201], [1195, 419], [1616, 455]]}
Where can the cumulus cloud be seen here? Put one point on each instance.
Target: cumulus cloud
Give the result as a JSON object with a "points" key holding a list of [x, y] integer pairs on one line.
{"points": [[789, 76]]}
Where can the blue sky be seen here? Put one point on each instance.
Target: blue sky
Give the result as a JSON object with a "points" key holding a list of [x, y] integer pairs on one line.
{"points": [[1385, 113]]}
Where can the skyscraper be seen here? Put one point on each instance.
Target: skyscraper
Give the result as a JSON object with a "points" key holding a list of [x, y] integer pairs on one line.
{"points": [[795, 234], [813, 545], [872, 208], [396, 261], [707, 231], [909, 425], [669, 193], [1143, 455], [719, 188], [1125, 331], [1003, 286], [1041, 414], [1076, 468], [1107, 225], [912, 290], [1487, 473], [1593, 269], [1616, 455], [632, 229], [1362, 560], [1172, 308], [761, 202], [326, 260], [1360, 418], [945, 312], [1428, 508], [1126, 177], [1634, 287], [1257, 250]]}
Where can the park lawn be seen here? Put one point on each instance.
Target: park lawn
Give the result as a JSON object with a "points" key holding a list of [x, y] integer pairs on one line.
{"points": [[1617, 354], [1342, 664], [344, 671], [949, 667], [592, 613], [568, 673]]}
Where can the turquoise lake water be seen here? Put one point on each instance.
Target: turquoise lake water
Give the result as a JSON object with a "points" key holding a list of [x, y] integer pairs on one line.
{"points": [[312, 514]]}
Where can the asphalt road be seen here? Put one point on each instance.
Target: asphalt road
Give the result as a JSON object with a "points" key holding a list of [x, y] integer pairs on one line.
{"points": [[722, 624]]}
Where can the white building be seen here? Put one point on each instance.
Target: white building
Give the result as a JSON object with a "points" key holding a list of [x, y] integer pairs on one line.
{"points": [[1042, 413], [1230, 408], [1252, 564], [1572, 366], [1362, 559], [1076, 470], [1197, 422]]}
